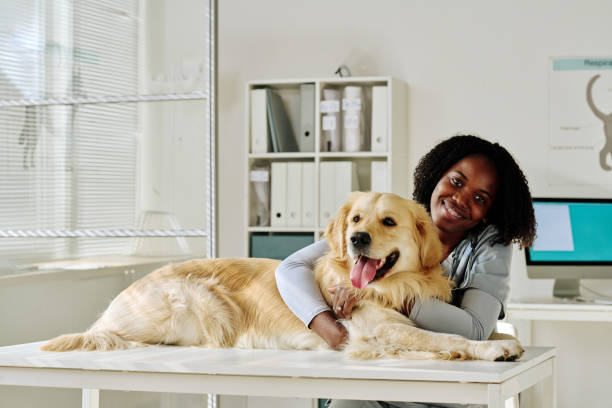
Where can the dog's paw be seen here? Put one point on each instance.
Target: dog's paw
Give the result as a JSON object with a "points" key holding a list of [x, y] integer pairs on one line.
{"points": [[452, 355], [499, 350], [361, 354]]}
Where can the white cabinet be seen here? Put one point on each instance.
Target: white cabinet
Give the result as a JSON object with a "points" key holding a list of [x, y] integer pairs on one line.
{"points": [[366, 115]]}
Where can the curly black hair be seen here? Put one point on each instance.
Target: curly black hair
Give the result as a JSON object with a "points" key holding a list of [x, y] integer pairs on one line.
{"points": [[512, 210]]}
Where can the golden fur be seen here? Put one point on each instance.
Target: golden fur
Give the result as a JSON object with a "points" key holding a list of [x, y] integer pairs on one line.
{"points": [[235, 302]]}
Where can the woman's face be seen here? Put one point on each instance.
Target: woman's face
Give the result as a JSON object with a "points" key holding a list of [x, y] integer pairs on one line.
{"points": [[464, 195]]}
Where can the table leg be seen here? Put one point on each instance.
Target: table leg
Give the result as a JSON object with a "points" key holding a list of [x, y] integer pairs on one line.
{"points": [[549, 389], [91, 398], [495, 398]]}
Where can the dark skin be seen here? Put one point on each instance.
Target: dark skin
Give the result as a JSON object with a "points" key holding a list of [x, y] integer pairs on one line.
{"points": [[460, 202]]}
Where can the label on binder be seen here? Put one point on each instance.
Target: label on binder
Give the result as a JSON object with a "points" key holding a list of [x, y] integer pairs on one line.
{"points": [[330, 106], [260, 175], [329, 122], [351, 121], [351, 104]]}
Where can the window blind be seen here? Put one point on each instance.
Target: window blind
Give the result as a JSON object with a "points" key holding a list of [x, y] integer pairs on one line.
{"points": [[106, 132]]}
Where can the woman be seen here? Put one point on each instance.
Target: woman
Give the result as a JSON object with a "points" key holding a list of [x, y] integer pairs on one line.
{"points": [[479, 202]]}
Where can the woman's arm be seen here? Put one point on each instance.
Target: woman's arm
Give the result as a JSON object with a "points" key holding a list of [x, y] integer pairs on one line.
{"points": [[475, 318], [475, 314], [298, 288]]}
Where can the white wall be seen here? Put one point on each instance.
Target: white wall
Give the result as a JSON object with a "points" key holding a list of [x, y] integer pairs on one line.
{"points": [[471, 66]]}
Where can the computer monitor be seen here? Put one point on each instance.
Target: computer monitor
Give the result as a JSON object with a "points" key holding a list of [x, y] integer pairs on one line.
{"points": [[573, 242]]}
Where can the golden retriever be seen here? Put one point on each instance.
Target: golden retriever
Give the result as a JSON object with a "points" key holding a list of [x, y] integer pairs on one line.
{"points": [[382, 244]]}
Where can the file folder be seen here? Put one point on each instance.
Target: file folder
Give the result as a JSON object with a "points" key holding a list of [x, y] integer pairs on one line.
{"points": [[380, 119], [278, 199], [259, 196], [353, 129], [379, 177], [260, 138], [345, 183], [281, 132], [308, 194], [327, 193], [294, 194], [331, 121], [337, 180], [307, 117]]}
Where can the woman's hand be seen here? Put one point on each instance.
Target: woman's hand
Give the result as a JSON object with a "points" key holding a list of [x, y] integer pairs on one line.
{"points": [[344, 301], [326, 326]]}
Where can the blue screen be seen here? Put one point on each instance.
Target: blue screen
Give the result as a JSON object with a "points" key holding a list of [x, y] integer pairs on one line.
{"points": [[572, 232]]}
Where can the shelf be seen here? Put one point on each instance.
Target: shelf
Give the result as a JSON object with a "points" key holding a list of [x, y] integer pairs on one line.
{"points": [[326, 178], [325, 155], [284, 229], [332, 80], [350, 155], [290, 155]]}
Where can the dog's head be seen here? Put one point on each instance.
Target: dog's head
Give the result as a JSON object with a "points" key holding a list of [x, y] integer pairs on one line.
{"points": [[381, 235]]}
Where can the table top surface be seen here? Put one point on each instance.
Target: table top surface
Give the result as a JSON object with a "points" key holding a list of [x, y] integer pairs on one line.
{"points": [[269, 363]]}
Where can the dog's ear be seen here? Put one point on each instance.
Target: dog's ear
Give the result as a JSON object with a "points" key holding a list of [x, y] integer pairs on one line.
{"points": [[337, 227], [430, 247]]}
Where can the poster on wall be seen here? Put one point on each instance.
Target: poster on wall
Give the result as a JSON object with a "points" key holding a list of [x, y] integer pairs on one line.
{"points": [[580, 121]]}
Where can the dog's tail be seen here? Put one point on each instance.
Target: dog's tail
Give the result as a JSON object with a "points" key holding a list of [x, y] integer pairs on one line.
{"points": [[101, 340]]}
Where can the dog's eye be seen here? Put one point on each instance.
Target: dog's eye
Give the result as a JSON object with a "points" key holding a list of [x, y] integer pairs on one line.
{"points": [[356, 218], [388, 221]]}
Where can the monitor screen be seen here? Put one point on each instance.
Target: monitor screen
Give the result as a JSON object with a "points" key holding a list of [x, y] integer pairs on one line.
{"points": [[573, 242], [572, 231]]}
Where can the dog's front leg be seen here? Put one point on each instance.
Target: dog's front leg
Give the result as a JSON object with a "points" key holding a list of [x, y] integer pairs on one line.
{"points": [[447, 346], [366, 341], [386, 333]]}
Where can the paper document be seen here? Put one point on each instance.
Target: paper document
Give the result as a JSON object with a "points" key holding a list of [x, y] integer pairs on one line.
{"points": [[554, 230]]}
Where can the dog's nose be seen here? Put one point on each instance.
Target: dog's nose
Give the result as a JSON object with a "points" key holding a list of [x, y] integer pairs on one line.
{"points": [[361, 239]]}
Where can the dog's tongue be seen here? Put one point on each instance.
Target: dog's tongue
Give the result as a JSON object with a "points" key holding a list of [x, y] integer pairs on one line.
{"points": [[363, 272]]}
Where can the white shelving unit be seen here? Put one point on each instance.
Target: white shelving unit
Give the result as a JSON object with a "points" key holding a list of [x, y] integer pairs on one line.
{"points": [[395, 156]]}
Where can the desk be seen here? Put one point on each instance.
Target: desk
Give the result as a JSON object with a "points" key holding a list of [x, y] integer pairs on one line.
{"points": [[558, 309], [525, 313], [553, 309], [282, 373]]}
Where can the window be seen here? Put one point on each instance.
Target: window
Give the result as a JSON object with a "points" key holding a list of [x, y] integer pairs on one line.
{"points": [[106, 130]]}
